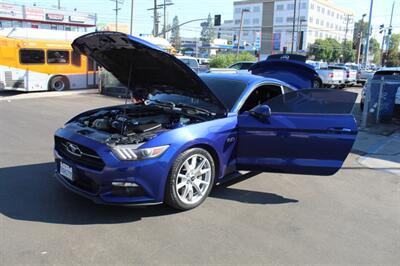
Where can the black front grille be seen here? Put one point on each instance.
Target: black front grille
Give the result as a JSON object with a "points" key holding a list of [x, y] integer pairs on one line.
{"points": [[87, 157]]}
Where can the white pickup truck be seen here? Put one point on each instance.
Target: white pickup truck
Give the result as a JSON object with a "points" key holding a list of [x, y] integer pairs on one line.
{"points": [[332, 77]]}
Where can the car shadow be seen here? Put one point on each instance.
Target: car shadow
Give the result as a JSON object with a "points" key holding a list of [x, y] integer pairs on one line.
{"points": [[224, 191], [32, 193]]}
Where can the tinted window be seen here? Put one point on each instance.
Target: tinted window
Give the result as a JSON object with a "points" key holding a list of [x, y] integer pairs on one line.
{"points": [[246, 65], [227, 91], [29, 56], [260, 96], [57, 57], [314, 101], [236, 66], [76, 58]]}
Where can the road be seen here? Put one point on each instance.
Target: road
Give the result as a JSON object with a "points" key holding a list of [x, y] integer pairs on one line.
{"points": [[352, 217]]}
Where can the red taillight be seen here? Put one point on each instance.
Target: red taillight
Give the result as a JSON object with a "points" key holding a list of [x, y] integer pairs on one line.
{"points": [[331, 75]]}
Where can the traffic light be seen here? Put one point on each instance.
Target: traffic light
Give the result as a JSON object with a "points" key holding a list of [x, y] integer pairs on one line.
{"points": [[390, 31], [217, 20], [381, 28]]}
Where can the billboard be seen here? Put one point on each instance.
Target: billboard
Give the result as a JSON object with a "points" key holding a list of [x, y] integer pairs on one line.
{"points": [[11, 11]]}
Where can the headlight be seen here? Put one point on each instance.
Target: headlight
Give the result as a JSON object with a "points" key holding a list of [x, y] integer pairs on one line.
{"points": [[130, 153]]}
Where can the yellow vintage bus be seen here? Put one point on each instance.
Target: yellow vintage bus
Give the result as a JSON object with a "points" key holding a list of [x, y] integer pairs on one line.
{"points": [[40, 60]]}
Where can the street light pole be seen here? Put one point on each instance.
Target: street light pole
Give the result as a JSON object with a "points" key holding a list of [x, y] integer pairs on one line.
{"points": [[240, 30], [294, 24], [131, 28], [368, 33]]}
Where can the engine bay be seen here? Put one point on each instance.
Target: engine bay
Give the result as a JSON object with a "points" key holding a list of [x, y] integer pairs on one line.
{"points": [[131, 125]]}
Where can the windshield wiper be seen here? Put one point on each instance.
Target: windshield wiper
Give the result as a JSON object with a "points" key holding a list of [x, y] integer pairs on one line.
{"points": [[195, 108], [161, 103]]}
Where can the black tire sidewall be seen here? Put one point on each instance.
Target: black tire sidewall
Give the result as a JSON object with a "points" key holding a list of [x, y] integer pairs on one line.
{"points": [[63, 79], [171, 195]]}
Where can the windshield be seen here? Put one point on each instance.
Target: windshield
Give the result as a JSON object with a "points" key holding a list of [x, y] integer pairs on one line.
{"points": [[226, 90], [177, 99]]}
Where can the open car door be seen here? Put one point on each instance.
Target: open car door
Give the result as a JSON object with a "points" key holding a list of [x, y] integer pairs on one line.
{"points": [[303, 132]]}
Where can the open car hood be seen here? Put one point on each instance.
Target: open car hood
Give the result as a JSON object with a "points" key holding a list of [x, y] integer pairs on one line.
{"points": [[149, 67], [291, 69]]}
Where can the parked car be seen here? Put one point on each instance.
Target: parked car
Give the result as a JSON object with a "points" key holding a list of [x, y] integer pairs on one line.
{"points": [[190, 62], [332, 76], [194, 131], [390, 74], [350, 77], [242, 67], [363, 74]]}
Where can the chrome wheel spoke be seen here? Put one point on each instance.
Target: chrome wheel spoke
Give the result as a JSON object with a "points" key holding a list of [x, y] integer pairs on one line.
{"points": [[193, 179], [197, 188]]}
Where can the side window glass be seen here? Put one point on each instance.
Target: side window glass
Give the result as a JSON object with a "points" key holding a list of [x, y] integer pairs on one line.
{"points": [[57, 57], [260, 96], [31, 56], [76, 59], [236, 66], [313, 101]]}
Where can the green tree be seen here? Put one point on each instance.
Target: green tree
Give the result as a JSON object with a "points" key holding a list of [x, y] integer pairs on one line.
{"points": [[175, 34], [207, 31], [359, 27], [328, 50], [225, 60], [349, 54], [393, 57], [374, 48]]}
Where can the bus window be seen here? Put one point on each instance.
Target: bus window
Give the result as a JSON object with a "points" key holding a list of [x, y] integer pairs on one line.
{"points": [[31, 56], [76, 59], [57, 57], [91, 65]]}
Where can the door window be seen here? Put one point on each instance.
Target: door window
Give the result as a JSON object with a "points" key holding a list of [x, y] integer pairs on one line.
{"points": [[313, 101], [261, 95], [31, 56], [76, 59]]}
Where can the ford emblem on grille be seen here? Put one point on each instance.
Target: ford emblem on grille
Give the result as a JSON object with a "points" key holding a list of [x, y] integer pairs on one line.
{"points": [[74, 149]]}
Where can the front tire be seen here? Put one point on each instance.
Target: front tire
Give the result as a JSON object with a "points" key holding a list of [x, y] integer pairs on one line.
{"points": [[190, 180]]}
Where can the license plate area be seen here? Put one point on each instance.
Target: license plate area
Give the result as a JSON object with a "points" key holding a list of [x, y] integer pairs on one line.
{"points": [[66, 171]]}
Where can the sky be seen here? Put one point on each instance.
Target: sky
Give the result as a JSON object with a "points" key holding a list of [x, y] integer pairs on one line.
{"points": [[194, 9]]}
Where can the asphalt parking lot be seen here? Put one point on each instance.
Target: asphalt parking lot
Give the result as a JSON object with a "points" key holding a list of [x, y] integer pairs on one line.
{"points": [[352, 217]]}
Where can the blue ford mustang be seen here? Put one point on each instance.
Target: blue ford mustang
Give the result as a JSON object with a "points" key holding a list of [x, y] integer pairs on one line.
{"points": [[193, 131]]}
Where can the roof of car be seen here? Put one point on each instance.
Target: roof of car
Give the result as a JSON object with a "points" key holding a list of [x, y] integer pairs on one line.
{"points": [[247, 78], [389, 69]]}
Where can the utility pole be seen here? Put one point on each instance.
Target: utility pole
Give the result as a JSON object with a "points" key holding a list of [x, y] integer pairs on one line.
{"points": [[368, 33], [155, 18], [240, 30], [294, 24], [390, 29], [360, 38], [345, 34], [164, 6], [116, 9], [59, 4], [131, 28]]}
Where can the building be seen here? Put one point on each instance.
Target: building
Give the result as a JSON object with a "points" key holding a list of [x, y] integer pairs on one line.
{"points": [[315, 19], [269, 24], [22, 16]]}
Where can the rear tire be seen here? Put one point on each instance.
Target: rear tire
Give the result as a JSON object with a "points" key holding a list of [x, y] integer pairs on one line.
{"points": [[58, 83], [190, 179]]}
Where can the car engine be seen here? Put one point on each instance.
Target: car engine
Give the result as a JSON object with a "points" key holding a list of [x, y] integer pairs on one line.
{"points": [[131, 125]]}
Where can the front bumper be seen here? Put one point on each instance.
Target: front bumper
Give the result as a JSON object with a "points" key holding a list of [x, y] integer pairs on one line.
{"points": [[96, 183]]}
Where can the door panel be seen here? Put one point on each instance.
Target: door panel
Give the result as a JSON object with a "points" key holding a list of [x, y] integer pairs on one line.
{"points": [[293, 142]]}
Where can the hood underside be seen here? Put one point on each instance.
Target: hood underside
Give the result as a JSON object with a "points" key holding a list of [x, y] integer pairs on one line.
{"points": [[143, 67]]}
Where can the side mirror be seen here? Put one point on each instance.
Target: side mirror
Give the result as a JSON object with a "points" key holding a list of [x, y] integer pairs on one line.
{"points": [[261, 112]]}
